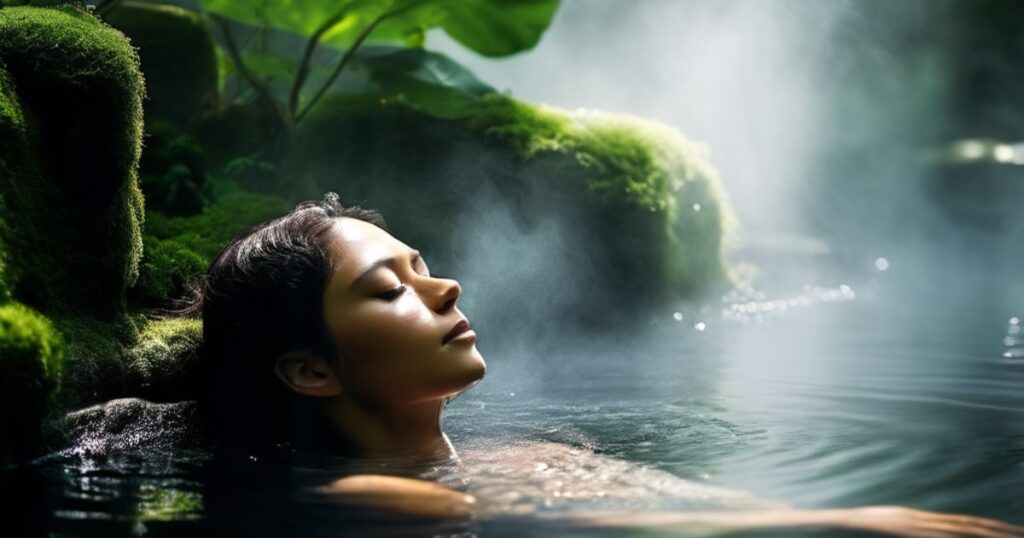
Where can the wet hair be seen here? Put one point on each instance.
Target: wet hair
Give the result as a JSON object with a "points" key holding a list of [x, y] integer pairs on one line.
{"points": [[260, 298]]}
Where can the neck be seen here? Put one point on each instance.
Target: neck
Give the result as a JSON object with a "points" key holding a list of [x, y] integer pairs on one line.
{"points": [[411, 431]]}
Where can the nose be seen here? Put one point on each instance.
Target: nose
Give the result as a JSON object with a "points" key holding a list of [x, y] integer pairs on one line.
{"points": [[450, 293]]}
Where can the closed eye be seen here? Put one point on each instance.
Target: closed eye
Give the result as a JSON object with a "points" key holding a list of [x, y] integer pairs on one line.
{"points": [[391, 295]]}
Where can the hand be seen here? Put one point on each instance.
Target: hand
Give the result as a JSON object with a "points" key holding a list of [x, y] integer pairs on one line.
{"points": [[405, 495]]}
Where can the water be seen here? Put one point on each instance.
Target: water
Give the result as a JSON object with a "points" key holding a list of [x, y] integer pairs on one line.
{"points": [[842, 381]]}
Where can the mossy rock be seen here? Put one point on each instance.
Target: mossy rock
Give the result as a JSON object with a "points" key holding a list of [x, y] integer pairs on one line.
{"points": [[178, 59], [643, 205], [31, 361], [179, 249], [73, 208]]}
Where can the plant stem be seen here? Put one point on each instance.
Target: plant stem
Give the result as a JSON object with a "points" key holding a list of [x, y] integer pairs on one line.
{"points": [[307, 58], [261, 88], [346, 57]]}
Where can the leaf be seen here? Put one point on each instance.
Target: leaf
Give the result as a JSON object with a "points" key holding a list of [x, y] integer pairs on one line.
{"points": [[426, 80], [489, 27]]}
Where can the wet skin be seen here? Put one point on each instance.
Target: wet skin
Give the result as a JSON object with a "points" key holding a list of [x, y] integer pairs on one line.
{"points": [[385, 394], [388, 317]]}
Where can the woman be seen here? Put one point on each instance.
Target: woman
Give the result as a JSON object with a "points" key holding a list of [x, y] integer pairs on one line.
{"points": [[323, 331]]}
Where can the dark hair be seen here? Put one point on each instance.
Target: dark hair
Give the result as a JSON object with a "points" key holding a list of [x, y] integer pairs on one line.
{"points": [[260, 298]]}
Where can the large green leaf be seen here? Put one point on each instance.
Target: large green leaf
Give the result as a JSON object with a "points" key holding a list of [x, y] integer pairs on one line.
{"points": [[489, 27], [426, 80]]}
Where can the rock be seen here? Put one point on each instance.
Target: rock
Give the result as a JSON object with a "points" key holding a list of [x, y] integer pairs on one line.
{"points": [[131, 423], [644, 208], [73, 208], [178, 59]]}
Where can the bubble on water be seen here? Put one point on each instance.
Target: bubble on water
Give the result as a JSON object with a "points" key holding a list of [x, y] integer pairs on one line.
{"points": [[700, 326], [696, 207], [882, 264], [678, 316], [1015, 321]]}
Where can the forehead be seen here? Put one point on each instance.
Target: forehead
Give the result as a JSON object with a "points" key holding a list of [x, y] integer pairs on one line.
{"points": [[355, 244]]}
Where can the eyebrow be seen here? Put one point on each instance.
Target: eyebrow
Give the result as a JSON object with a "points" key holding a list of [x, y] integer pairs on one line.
{"points": [[383, 261]]}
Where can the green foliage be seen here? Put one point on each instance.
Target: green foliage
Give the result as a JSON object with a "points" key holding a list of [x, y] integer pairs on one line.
{"points": [[173, 171], [488, 27], [426, 80], [31, 361], [71, 180]]}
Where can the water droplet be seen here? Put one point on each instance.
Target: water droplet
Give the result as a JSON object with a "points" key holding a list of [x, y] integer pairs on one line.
{"points": [[678, 316], [881, 264], [700, 326], [696, 207]]}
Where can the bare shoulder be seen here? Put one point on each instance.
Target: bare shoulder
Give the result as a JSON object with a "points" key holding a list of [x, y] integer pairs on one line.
{"points": [[405, 495]]}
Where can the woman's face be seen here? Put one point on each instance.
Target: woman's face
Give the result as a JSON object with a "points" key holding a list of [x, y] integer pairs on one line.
{"points": [[389, 319]]}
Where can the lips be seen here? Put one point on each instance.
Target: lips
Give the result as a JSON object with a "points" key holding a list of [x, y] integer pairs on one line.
{"points": [[459, 328]]}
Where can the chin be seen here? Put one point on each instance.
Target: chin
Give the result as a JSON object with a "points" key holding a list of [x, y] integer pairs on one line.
{"points": [[470, 373]]}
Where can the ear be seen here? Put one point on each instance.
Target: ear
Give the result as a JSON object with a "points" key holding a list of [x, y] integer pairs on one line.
{"points": [[307, 373]]}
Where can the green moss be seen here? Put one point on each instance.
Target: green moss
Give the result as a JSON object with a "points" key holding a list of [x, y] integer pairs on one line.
{"points": [[180, 249], [158, 365], [643, 205], [178, 59], [163, 362], [646, 172], [12, 154], [208, 232], [158, 503], [31, 361], [76, 204]]}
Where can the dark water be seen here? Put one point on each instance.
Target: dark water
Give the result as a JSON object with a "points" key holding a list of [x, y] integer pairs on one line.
{"points": [[846, 380]]}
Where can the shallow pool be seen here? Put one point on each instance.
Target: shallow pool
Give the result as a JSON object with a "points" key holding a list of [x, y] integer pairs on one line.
{"points": [[849, 377]]}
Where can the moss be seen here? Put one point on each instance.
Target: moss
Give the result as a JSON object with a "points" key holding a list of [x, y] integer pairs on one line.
{"points": [[77, 205], [13, 154], [208, 232], [642, 204], [644, 170], [179, 249], [31, 361], [178, 59], [157, 503], [158, 365], [163, 362]]}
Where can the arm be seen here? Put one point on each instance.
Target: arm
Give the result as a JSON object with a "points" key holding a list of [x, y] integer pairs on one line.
{"points": [[890, 520], [404, 495]]}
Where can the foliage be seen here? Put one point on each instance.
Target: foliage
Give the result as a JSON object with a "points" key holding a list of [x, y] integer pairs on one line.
{"points": [[489, 27]]}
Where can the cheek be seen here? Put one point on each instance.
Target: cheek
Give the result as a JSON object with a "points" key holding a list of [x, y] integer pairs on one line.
{"points": [[389, 346]]}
